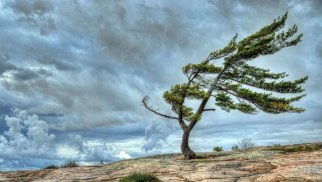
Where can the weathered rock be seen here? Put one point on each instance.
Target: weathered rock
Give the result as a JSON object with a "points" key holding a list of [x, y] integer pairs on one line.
{"points": [[258, 165]]}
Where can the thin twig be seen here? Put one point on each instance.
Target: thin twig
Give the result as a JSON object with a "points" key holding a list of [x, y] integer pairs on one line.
{"points": [[146, 105]]}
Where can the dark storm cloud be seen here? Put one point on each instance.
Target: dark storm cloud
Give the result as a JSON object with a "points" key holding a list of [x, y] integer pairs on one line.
{"points": [[58, 64], [5, 65], [84, 66], [128, 39], [19, 74], [24, 74], [135, 39], [132, 131], [34, 14], [30, 8]]}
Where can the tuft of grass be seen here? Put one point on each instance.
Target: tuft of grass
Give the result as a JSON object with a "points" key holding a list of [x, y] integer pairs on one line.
{"points": [[69, 164], [51, 167], [297, 148], [140, 177], [218, 149]]}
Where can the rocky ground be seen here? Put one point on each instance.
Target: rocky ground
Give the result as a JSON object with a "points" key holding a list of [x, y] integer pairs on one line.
{"points": [[302, 163]]}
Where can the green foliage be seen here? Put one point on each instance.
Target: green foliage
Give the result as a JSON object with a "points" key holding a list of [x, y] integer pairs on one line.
{"points": [[201, 68], [266, 101], [234, 148], [226, 103], [175, 97], [267, 40], [230, 48], [51, 167], [218, 149], [229, 81], [140, 177]]}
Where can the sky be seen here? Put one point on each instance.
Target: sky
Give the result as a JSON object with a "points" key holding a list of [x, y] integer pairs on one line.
{"points": [[73, 74]]}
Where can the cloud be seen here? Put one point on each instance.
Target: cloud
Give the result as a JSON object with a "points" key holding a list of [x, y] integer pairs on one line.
{"points": [[29, 8], [5, 65], [26, 139], [57, 62], [92, 152], [123, 155], [156, 135], [35, 13], [106, 153], [26, 133], [28, 143]]}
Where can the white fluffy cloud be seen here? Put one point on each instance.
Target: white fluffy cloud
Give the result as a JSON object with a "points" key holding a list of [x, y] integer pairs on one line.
{"points": [[157, 133], [28, 143], [93, 151], [26, 134]]}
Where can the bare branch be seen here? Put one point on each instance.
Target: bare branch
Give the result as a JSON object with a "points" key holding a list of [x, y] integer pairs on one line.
{"points": [[209, 110], [155, 111]]}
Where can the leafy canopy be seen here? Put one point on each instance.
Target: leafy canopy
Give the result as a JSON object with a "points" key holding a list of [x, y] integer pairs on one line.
{"points": [[236, 85]]}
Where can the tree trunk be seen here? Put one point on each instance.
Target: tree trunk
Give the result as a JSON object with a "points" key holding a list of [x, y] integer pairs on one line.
{"points": [[185, 149]]}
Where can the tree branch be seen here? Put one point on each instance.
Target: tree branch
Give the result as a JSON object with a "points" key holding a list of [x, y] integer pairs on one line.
{"points": [[237, 96], [205, 100], [209, 109], [150, 108]]}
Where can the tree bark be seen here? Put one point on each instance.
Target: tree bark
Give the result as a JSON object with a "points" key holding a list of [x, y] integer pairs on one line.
{"points": [[185, 149]]}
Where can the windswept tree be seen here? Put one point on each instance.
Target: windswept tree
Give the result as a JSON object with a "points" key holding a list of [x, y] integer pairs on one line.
{"points": [[234, 83]]}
